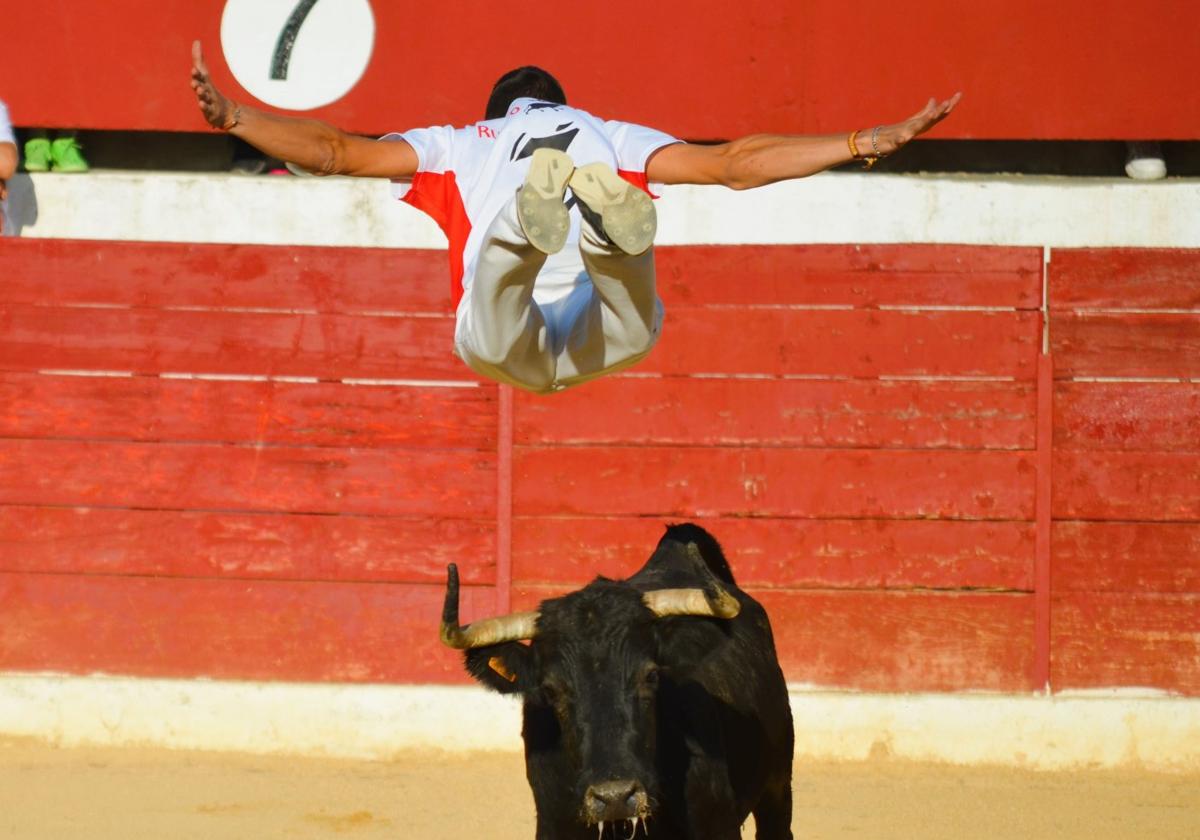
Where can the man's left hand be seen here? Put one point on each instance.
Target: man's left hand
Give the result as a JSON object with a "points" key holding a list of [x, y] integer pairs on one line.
{"points": [[893, 137]]}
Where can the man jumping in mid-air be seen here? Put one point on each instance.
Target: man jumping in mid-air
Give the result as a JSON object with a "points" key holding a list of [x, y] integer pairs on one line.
{"points": [[551, 290]]}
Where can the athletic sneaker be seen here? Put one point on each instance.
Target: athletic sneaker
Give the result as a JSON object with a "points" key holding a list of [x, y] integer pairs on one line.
{"points": [[66, 155], [626, 214], [540, 208], [37, 154]]}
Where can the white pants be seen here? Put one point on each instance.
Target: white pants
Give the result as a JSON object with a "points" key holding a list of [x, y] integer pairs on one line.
{"points": [[505, 335]]}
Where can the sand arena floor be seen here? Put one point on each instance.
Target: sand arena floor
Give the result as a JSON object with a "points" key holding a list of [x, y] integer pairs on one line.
{"points": [[98, 794]]}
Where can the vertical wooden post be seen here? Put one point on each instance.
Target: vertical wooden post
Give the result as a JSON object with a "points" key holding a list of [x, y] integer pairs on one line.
{"points": [[1043, 511], [504, 485]]}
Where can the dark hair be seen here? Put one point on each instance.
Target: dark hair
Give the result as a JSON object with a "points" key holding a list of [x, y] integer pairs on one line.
{"points": [[533, 82]]}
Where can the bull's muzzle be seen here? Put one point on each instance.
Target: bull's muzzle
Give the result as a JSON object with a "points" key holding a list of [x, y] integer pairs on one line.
{"points": [[619, 799]]}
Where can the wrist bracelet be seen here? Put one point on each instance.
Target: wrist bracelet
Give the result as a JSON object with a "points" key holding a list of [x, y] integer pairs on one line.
{"points": [[874, 144], [236, 118], [868, 160]]}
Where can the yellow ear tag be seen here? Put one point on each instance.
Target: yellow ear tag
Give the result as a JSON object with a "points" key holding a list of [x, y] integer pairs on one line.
{"points": [[497, 665]]}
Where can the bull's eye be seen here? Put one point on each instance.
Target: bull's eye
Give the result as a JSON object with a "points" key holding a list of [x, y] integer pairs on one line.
{"points": [[553, 693], [650, 678]]}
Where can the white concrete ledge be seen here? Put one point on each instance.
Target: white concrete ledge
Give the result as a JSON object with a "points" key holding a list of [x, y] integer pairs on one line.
{"points": [[829, 208], [1102, 729]]}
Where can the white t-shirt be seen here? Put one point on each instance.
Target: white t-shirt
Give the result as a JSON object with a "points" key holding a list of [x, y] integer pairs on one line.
{"points": [[6, 136], [466, 175]]}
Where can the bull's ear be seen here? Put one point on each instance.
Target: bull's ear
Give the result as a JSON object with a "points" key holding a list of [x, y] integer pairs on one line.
{"points": [[506, 668]]}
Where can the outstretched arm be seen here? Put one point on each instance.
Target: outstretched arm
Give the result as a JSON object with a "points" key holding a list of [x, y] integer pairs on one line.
{"points": [[762, 159], [8, 166], [314, 146]]}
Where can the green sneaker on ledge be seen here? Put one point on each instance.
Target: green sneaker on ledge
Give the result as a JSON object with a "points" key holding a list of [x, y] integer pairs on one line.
{"points": [[37, 154], [66, 155]]}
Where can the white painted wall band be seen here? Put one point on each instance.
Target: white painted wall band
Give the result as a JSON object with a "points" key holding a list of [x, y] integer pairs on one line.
{"points": [[1097, 729], [828, 208]]}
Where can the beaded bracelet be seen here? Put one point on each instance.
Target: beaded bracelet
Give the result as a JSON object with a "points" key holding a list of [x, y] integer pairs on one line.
{"points": [[868, 160]]}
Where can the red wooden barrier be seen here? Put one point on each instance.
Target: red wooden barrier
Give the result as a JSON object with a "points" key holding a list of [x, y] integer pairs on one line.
{"points": [[1127, 469], [1090, 69], [247, 526]]}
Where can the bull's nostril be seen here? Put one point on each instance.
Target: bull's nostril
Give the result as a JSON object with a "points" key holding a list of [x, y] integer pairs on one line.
{"points": [[615, 800]]}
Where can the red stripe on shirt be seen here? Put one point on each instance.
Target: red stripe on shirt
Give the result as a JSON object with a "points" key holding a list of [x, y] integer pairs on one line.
{"points": [[638, 179], [436, 194]]}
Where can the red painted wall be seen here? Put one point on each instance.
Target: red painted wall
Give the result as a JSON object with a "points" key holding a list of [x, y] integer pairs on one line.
{"points": [[1086, 69], [917, 504]]}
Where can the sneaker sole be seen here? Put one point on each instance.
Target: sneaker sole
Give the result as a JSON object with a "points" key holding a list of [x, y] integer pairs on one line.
{"points": [[540, 209], [626, 213]]}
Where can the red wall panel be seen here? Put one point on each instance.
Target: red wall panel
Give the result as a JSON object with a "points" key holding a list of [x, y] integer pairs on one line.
{"points": [[1131, 557], [899, 529], [892, 641], [863, 276], [1102, 640], [1126, 551], [226, 342], [160, 274], [869, 554], [173, 627], [683, 481], [893, 414], [271, 412], [248, 546], [1097, 69]]}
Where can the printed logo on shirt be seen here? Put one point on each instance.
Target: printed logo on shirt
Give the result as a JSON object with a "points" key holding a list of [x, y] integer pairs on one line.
{"points": [[559, 141]]}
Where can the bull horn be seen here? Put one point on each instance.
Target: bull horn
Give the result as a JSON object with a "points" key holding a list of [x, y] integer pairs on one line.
{"points": [[665, 602], [489, 631]]}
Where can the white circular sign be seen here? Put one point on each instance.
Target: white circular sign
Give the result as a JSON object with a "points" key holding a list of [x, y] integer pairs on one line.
{"points": [[298, 54]]}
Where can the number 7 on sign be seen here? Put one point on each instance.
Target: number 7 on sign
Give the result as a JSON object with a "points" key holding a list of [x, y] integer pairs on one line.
{"points": [[287, 38]]}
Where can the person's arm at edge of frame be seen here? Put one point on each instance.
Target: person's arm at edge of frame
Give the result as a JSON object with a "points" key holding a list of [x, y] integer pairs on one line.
{"points": [[761, 159], [313, 145], [8, 157], [8, 160], [8, 166]]}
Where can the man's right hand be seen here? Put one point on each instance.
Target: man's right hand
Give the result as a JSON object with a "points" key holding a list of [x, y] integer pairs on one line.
{"points": [[216, 108]]}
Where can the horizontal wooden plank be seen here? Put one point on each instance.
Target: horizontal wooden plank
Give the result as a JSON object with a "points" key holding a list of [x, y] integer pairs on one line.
{"points": [[791, 553], [904, 641], [851, 275], [1126, 485], [1136, 557], [855, 343], [166, 274], [1125, 344], [1127, 416], [149, 408], [1124, 278], [1123, 640], [892, 641], [251, 546], [694, 481], [155, 341], [256, 630], [783, 412], [398, 482]]}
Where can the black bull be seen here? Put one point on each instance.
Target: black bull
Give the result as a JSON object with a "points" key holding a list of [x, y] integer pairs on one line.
{"points": [[656, 702]]}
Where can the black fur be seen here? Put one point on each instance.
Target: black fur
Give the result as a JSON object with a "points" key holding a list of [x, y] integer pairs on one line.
{"points": [[694, 709]]}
